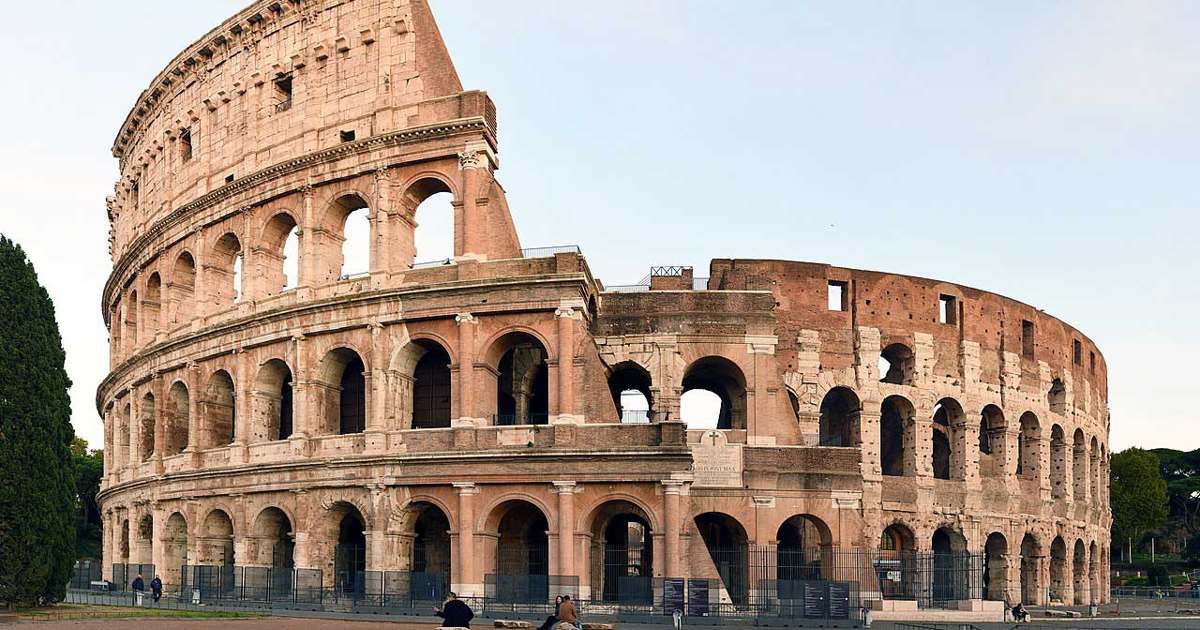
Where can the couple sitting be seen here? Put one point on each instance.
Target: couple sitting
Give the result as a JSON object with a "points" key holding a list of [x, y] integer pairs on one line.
{"points": [[564, 615]]}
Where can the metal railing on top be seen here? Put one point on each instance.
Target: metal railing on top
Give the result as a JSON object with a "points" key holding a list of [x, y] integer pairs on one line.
{"points": [[546, 252]]}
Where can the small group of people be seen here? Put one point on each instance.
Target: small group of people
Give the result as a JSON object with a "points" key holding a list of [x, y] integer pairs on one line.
{"points": [[455, 613], [139, 586], [564, 614]]}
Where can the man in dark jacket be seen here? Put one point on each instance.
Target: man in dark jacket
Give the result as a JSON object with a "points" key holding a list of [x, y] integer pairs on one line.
{"points": [[156, 588], [138, 583], [455, 613]]}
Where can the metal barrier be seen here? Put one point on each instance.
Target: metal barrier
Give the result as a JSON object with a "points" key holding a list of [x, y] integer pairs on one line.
{"points": [[546, 252]]}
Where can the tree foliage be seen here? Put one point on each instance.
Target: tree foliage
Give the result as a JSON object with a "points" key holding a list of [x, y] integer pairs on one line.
{"points": [[1139, 494], [89, 468], [37, 475], [1181, 471]]}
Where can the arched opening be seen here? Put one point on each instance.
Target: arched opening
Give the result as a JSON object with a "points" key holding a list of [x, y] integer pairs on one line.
{"points": [[280, 254], [1079, 572], [225, 274], [897, 365], [343, 393], [995, 567], [183, 288], [522, 552], [115, 328], [216, 538], [841, 414], [124, 431], [152, 305], [124, 543], [131, 317], [1031, 553], [431, 387], [350, 553], [793, 403], [433, 230], [175, 545], [522, 382], [897, 569], [273, 404], [946, 438], [1057, 397], [430, 553], [179, 419], [728, 548], [1058, 570], [724, 379], [1097, 488], [219, 410], [274, 547], [355, 227], [951, 566], [991, 442], [629, 384], [896, 452], [1029, 440], [802, 541], [1079, 467], [622, 553], [1058, 462], [145, 542], [1094, 573], [146, 427]]}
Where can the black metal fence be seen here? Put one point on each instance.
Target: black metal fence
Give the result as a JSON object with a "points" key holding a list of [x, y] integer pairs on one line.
{"points": [[86, 572], [123, 576]]}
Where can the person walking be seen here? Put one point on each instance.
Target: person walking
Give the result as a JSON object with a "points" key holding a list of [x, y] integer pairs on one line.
{"points": [[156, 588], [138, 583], [567, 613], [454, 612]]}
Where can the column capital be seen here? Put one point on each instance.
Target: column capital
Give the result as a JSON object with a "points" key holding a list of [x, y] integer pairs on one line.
{"points": [[466, 488], [674, 486], [465, 318], [567, 312], [763, 502], [565, 487]]}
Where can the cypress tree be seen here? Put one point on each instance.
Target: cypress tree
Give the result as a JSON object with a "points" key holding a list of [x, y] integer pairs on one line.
{"points": [[37, 518]]}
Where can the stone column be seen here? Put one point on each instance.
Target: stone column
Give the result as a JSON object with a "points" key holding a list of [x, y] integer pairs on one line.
{"points": [[566, 316], [672, 489], [758, 398], [566, 526], [301, 408], [376, 388], [470, 582], [379, 223], [464, 394], [472, 161], [308, 239]]}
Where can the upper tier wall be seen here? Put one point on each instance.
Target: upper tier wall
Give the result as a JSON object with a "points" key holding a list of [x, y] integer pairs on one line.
{"points": [[280, 80], [900, 306]]}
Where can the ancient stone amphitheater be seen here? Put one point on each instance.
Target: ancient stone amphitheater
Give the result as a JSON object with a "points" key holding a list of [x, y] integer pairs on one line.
{"points": [[502, 423]]}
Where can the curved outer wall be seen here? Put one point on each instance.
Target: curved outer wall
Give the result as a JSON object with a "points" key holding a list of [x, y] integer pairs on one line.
{"points": [[251, 418]]}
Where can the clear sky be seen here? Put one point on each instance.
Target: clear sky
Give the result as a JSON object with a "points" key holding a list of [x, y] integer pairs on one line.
{"points": [[1046, 151]]}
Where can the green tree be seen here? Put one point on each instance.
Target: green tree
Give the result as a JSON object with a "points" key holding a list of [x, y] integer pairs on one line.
{"points": [[37, 476], [89, 468], [1139, 494]]}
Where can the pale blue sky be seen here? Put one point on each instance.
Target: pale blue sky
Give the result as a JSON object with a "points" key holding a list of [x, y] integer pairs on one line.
{"points": [[1045, 151]]}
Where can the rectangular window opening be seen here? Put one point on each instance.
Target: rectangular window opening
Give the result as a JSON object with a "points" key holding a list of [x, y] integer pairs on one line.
{"points": [[283, 93], [1092, 363], [948, 309], [347, 135], [1077, 353], [837, 296], [229, 178], [1027, 339], [185, 144]]}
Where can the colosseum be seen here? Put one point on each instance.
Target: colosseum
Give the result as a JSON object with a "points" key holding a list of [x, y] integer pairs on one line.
{"points": [[505, 425]]}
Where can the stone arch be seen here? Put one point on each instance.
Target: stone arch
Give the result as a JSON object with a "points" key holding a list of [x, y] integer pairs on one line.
{"points": [[1097, 487], [146, 414], [621, 551], [897, 365], [1079, 467], [152, 305], [220, 410], [274, 402], [1079, 572], [343, 525], [131, 319], [1059, 580], [419, 197], [897, 547], [801, 544], [421, 369], [897, 444], [183, 287], [951, 566], [175, 546], [728, 547], [1029, 446], [145, 540], [995, 567], [179, 419], [1058, 462], [124, 437], [216, 539], [992, 448], [430, 559], [841, 418], [724, 378], [1056, 398], [224, 273], [348, 256], [948, 440], [1031, 581], [280, 233], [273, 535], [342, 392], [522, 378], [630, 384], [125, 543], [1094, 573], [518, 547]]}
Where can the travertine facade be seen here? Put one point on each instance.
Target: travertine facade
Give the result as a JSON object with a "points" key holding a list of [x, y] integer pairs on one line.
{"points": [[435, 418]]}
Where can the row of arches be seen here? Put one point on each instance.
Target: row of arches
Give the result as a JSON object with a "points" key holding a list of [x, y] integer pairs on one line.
{"points": [[947, 451], [713, 394], [339, 395], [246, 259]]}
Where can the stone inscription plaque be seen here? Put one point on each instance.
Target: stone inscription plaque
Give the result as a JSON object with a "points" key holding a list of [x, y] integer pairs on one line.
{"points": [[716, 463]]}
